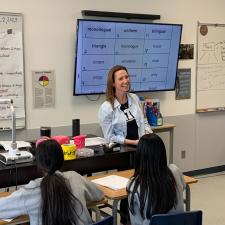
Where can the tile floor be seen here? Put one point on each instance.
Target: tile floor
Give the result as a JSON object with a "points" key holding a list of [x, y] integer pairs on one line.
{"points": [[208, 195]]}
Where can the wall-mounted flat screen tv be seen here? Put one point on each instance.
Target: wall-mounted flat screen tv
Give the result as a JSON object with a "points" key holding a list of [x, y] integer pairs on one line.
{"points": [[148, 50]]}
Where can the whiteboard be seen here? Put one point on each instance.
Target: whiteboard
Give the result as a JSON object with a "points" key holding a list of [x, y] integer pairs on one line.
{"points": [[210, 77], [11, 69]]}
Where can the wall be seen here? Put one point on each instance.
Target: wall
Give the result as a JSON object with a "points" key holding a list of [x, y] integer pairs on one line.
{"points": [[49, 43]]}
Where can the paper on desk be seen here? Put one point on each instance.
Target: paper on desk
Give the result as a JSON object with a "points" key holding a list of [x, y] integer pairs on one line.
{"points": [[20, 144], [94, 141], [7, 220], [112, 181]]}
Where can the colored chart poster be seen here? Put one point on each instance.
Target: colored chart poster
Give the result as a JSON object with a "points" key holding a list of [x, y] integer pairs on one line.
{"points": [[43, 89]]}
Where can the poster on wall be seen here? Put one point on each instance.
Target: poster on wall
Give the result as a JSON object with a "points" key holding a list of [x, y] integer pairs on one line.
{"points": [[183, 84], [186, 51], [43, 89]]}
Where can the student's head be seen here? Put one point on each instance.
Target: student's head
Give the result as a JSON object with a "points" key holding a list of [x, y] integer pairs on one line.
{"points": [[118, 80], [153, 180], [151, 155], [58, 204], [49, 156]]}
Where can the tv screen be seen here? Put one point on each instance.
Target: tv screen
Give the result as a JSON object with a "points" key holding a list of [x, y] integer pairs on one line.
{"points": [[148, 50]]}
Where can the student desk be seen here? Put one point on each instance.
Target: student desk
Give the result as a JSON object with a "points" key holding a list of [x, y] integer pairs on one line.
{"points": [[19, 220], [25, 218], [117, 195]]}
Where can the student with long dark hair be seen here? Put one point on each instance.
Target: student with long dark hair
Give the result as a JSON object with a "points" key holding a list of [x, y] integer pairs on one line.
{"points": [[57, 198], [155, 188]]}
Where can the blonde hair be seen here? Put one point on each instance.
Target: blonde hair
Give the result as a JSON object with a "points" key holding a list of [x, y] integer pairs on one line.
{"points": [[110, 89]]}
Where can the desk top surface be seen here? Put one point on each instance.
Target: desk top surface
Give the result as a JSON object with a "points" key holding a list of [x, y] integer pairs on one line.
{"points": [[122, 193], [165, 126]]}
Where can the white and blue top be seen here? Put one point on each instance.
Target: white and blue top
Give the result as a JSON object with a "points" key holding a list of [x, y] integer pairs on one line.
{"points": [[114, 122]]}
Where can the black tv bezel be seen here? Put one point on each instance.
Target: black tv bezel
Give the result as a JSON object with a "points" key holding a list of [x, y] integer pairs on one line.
{"points": [[121, 21]]}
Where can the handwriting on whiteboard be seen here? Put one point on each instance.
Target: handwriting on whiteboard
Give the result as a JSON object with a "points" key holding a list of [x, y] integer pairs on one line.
{"points": [[11, 70]]}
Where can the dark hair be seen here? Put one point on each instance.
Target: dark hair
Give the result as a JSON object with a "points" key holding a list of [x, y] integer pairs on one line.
{"points": [[58, 202], [157, 184], [110, 89]]}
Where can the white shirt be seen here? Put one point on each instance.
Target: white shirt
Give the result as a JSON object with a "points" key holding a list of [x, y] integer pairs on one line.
{"points": [[114, 122]]}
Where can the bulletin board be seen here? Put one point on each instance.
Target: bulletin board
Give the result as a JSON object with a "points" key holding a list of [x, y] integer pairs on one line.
{"points": [[11, 69], [210, 77]]}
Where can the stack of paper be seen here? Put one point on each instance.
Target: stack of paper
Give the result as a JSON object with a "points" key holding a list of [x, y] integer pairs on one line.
{"points": [[113, 181]]}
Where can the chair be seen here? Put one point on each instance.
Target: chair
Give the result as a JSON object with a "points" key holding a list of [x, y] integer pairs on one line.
{"points": [[106, 221], [186, 218]]}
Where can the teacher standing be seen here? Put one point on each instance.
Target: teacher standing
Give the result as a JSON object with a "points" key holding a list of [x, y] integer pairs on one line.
{"points": [[120, 116]]}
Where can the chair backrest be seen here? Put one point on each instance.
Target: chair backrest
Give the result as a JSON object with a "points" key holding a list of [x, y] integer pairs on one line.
{"points": [[106, 221], [186, 218]]}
